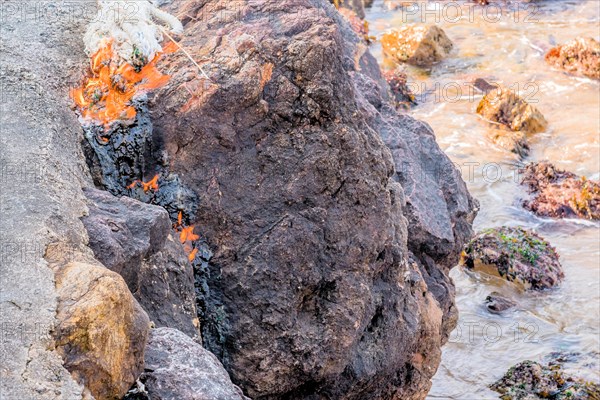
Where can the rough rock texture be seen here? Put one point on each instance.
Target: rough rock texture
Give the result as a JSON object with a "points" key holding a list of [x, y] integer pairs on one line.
{"points": [[420, 45], [315, 290], [581, 56], [358, 25], [515, 254], [560, 194], [401, 93], [529, 380], [42, 171], [101, 330], [356, 6], [496, 303], [178, 368], [505, 107], [135, 240]]}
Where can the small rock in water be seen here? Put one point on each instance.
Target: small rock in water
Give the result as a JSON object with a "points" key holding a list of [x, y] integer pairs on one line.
{"points": [[505, 107], [560, 194], [496, 303], [515, 254], [530, 380], [580, 56], [422, 45]]}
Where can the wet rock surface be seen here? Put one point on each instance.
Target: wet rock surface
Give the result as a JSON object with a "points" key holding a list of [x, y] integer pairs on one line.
{"points": [[135, 240], [421, 45], [179, 368], [101, 329], [515, 254], [315, 290], [505, 107], [496, 303], [560, 194], [581, 56], [530, 380]]}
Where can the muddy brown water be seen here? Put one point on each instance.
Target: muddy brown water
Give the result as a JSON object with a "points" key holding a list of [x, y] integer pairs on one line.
{"points": [[506, 44]]}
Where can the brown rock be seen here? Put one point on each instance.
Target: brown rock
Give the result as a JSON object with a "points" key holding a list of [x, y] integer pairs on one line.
{"points": [[515, 116], [560, 194], [101, 330], [515, 254], [580, 56], [529, 380], [505, 107], [422, 45], [497, 303], [316, 288]]}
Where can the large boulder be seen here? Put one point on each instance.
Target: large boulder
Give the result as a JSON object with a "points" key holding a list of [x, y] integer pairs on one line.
{"points": [[515, 254], [420, 45], [560, 194], [177, 368], [101, 330], [135, 240], [581, 56], [316, 288]]}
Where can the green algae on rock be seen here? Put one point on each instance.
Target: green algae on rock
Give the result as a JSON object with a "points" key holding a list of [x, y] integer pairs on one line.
{"points": [[530, 380], [515, 254]]}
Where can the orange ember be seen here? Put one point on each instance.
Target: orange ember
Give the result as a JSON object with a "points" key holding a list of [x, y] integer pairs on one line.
{"points": [[106, 95], [151, 184]]}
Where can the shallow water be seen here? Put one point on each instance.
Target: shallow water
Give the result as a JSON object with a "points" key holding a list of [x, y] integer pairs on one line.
{"points": [[508, 47]]}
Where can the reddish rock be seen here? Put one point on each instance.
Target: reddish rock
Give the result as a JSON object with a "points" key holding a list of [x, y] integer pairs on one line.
{"points": [[560, 194], [580, 56]]}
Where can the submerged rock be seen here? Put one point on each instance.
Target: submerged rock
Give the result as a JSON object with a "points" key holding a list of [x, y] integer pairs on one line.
{"points": [[560, 194], [530, 380], [503, 106], [176, 367], [515, 254], [580, 56], [101, 329], [135, 240], [401, 93], [496, 302], [316, 289], [421, 45]]}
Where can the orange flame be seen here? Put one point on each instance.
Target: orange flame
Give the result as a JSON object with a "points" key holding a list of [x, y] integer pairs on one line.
{"points": [[106, 95], [151, 184], [186, 237]]}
